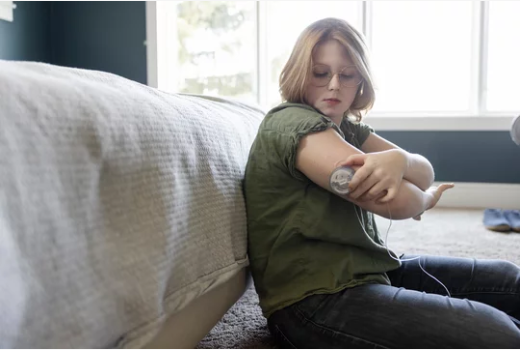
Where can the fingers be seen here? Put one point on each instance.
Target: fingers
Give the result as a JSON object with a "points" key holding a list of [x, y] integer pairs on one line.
{"points": [[376, 192], [444, 187], [360, 177], [355, 159], [438, 191], [418, 217], [441, 188], [392, 192], [363, 188]]}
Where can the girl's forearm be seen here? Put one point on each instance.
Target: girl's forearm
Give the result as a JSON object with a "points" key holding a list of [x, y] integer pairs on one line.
{"points": [[409, 202]]}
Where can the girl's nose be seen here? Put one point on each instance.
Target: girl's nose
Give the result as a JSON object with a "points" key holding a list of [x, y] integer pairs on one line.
{"points": [[334, 82]]}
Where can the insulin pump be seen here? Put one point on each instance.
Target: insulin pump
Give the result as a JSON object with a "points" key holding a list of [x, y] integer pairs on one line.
{"points": [[340, 179]]}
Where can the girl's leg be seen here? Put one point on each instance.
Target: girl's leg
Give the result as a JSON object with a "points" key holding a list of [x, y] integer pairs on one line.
{"points": [[492, 282], [381, 316], [414, 312]]}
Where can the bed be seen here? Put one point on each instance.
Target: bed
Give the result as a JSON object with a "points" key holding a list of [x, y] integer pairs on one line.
{"points": [[122, 218]]}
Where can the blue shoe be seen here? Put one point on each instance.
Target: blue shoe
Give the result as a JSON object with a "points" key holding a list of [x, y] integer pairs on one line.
{"points": [[513, 219], [495, 220]]}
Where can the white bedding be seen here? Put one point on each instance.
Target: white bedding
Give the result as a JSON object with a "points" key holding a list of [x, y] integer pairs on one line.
{"points": [[119, 204]]}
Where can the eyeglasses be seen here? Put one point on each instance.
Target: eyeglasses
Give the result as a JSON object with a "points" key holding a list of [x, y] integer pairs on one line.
{"points": [[322, 75]]}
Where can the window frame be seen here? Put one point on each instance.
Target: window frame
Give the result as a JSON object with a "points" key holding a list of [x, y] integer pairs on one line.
{"points": [[161, 66]]}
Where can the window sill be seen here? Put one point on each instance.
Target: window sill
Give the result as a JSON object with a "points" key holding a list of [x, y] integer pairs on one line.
{"points": [[439, 123]]}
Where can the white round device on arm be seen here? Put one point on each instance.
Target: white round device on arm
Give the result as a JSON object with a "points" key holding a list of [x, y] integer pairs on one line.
{"points": [[340, 179]]}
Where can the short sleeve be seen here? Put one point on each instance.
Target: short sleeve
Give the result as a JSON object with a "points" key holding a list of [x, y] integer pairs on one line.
{"points": [[285, 129], [356, 133]]}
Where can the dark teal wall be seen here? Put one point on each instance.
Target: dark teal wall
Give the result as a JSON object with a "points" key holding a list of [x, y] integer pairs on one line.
{"points": [[472, 156], [104, 35], [27, 37], [109, 36], [100, 35]]}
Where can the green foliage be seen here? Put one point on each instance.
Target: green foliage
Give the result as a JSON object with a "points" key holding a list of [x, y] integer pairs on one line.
{"points": [[221, 18]]}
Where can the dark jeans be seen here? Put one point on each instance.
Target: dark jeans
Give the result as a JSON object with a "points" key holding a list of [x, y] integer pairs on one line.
{"points": [[413, 312]]}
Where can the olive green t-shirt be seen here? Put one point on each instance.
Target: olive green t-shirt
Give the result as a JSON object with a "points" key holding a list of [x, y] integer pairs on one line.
{"points": [[303, 239]]}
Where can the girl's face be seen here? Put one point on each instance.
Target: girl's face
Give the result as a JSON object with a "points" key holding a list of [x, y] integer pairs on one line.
{"points": [[334, 81]]}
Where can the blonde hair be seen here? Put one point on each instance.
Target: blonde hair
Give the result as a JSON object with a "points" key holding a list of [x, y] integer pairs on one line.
{"points": [[295, 75]]}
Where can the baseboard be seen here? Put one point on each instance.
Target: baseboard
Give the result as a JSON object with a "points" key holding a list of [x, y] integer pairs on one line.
{"points": [[481, 195]]}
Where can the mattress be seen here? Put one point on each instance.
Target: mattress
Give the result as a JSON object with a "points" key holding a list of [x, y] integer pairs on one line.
{"points": [[186, 328], [120, 205]]}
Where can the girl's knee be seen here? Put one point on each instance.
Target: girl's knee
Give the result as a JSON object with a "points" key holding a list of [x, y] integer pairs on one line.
{"points": [[506, 267]]}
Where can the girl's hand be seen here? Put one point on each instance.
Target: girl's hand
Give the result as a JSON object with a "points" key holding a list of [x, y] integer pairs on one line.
{"points": [[435, 193], [379, 175]]}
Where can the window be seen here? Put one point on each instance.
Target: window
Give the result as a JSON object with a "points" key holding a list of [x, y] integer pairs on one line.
{"points": [[430, 58], [422, 63], [216, 48], [6, 10], [503, 70]]}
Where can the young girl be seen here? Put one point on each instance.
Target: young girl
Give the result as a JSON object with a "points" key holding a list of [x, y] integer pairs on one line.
{"points": [[323, 274]]}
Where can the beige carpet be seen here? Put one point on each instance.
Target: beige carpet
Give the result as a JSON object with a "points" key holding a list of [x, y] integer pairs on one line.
{"points": [[451, 232]]}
